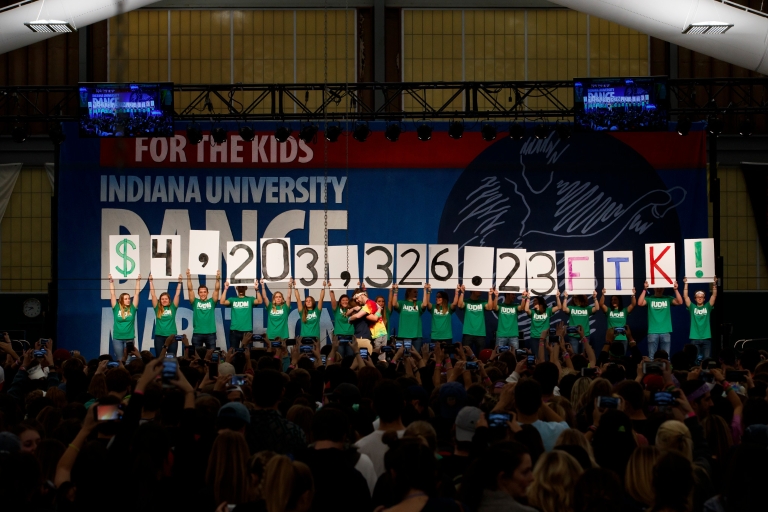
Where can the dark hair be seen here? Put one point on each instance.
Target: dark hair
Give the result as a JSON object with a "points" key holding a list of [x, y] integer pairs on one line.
{"points": [[412, 463], [502, 457], [330, 424], [672, 482], [614, 442], [446, 303], [118, 380], [749, 359], [268, 387], [547, 375], [531, 438], [598, 490], [539, 300], [632, 393], [528, 396], [743, 486], [388, 401], [620, 300], [755, 412]]}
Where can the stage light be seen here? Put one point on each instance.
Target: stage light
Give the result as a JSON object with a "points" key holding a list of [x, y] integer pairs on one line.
{"points": [[516, 131], [714, 126], [308, 133], [424, 132], [56, 133], [282, 133], [333, 132], [219, 135], [361, 132], [746, 127], [194, 133], [489, 132], [19, 133], [456, 130], [708, 27], [246, 133], [541, 131], [683, 126], [49, 26], [563, 131], [392, 132]]}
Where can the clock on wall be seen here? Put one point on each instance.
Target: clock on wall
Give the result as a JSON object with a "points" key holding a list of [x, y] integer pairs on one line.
{"points": [[32, 308]]}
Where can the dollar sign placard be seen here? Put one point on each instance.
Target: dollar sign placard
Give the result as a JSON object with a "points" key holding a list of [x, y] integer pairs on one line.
{"points": [[124, 251]]}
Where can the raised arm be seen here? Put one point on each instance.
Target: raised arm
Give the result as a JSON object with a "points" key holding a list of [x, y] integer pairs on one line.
{"points": [[136, 291], [333, 297], [392, 302], [641, 301], [290, 297], [602, 305], [425, 303], [257, 296], [557, 300], [495, 294], [596, 306], [686, 298], [490, 305], [525, 300], [714, 293], [460, 304], [632, 303], [152, 295], [223, 299], [455, 298], [564, 307], [678, 300], [299, 302], [112, 298], [527, 307], [322, 297], [190, 287], [262, 294], [217, 286], [177, 296]]}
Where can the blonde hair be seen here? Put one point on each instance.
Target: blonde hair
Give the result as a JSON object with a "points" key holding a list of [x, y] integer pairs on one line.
{"points": [[425, 432], [573, 437], [274, 308], [564, 409], [673, 435], [638, 478], [227, 474], [123, 310], [554, 477], [285, 483], [579, 389], [160, 308], [304, 309]]}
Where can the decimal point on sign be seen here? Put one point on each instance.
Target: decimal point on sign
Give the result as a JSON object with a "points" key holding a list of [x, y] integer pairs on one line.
{"points": [[477, 280], [203, 259], [699, 273]]}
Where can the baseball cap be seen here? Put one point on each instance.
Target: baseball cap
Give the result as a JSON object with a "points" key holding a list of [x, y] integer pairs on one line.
{"points": [[226, 369], [466, 423], [235, 410], [453, 396]]}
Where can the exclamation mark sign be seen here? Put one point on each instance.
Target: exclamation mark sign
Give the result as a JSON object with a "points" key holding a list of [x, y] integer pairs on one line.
{"points": [[697, 255]]}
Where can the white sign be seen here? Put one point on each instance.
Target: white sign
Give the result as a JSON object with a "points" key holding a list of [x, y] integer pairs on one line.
{"points": [[241, 262], [542, 272], [203, 252], [309, 266], [166, 256], [444, 266], [477, 270], [341, 276], [579, 272], [699, 259], [411, 265], [510, 270], [378, 265], [618, 272], [660, 265], [275, 260], [124, 258]]}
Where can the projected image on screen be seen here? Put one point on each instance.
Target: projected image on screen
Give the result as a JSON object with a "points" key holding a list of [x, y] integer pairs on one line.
{"points": [[126, 110], [620, 104]]}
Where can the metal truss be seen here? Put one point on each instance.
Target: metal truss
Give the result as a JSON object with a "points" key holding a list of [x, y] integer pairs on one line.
{"points": [[384, 101]]}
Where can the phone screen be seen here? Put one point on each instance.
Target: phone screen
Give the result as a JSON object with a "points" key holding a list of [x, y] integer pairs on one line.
{"points": [[106, 412], [190, 351], [213, 370], [237, 380], [169, 369], [275, 344], [503, 348], [531, 361], [608, 402], [364, 353], [471, 365], [498, 420], [215, 357], [305, 349]]}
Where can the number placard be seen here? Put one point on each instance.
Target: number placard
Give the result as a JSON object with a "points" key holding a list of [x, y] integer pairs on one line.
{"points": [[542, 272], [618, 272], [477, 271], [444, 266], [165, 262], [203, 252], [275, 260], [308, 266], [510, 270], [124, 257], [241, 262], [411, 269], [579, 272], [660, 265], [377, 265], [341, 277]]}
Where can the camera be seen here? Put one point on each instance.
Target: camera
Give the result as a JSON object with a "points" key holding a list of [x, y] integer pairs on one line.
{"points": [[607, 402], [619, 331], [664, 398], [179, 337], [237, 380], [106, 412], [345, 339], [531, 361], [113, 364], [498, 420], [471, 365], [169, 370], [588, 372], [275, 344]]}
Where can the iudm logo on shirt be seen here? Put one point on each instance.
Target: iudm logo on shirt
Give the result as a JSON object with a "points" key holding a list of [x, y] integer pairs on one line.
{"points": [[579, 312], [204, 305], [240, 304], [658, 304], [474, 307], [701, 311]]}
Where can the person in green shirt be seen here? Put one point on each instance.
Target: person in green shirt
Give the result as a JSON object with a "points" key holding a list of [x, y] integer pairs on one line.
{"points": [[278, 310], [165, 317], [617, 315], [442, 311], [578, 314], [409, 319], [473, 332], [659, 318], [311, 312], [701, 309], [507, 330], [124, 311], [540, 314], [241, 317], [341, 325], [203, 312]]}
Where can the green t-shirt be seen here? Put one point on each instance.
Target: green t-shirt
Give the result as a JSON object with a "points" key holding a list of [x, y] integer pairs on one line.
{"points": [[408, 325], [203, 316], [441, 324], [242, 314], [507, 327], [123, 328], [579, 316], [474, 317], [539, 322], [617, 318], [277, 321], [341, 325], [700, 327], [311, 328], [659, 315], [165, 325]]}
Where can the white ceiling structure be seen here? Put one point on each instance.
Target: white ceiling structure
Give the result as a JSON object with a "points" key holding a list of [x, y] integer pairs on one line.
{"points": [[79, 13], [745, 44]]}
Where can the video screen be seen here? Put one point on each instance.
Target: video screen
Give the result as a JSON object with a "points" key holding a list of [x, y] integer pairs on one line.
{"points": [[621, 104], [126, 110]]}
